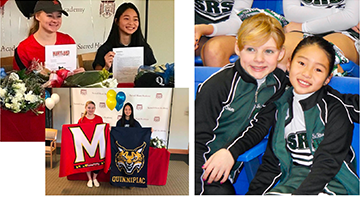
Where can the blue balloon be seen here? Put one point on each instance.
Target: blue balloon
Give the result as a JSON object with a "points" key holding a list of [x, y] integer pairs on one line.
{"points": [[2, 73], [47, 95], [119, 106], [120, 99]]}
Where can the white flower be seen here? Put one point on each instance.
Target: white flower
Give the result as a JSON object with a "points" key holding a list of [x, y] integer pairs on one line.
{"points": [[16, 107], [32, 98], [112, 83], [18, 97], [16, 101], [14, 76], [19, 87], [8, 105], [3, 92]]}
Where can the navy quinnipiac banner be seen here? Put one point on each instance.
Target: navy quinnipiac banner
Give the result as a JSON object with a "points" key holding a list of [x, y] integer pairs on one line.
{"points": [[129, 156]]}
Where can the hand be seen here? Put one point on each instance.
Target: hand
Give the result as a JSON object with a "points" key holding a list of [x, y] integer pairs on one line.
{"points": [[219, 165], [356, 28], [109, 58], [200, 30], [79, 70], [293, 26]]}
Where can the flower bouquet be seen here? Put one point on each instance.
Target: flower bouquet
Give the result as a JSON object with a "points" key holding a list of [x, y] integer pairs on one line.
{"points": [[77, 78], [21, 92], [157, 143]]}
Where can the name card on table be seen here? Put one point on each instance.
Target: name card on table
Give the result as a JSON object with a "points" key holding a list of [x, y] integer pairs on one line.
{"points": [[126, 62], [57, 56]]}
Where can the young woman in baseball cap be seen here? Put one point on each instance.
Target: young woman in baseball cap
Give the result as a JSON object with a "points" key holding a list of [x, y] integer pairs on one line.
{"points": [[47, 19]]}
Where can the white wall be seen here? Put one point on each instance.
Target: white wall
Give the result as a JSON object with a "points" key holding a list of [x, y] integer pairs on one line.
{"points": [[161, 30], [61, 111], [179, 128]]}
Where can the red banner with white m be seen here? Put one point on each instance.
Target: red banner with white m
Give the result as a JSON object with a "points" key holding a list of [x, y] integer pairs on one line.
{"points": [[83, 148]]}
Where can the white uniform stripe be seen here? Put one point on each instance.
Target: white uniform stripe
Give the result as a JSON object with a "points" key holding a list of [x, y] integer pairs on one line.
{"points": [[232, 65], [217, 123], [303, 163], [302, 157], [322, 120], [347, 111], [232, 90], [272, 183], [277, 79], [353, 173], [327, 190], [242, 135]]}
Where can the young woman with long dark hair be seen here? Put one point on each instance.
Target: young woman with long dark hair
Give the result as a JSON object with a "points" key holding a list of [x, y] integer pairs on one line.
{"points": [[127, 118], [125, 32]]}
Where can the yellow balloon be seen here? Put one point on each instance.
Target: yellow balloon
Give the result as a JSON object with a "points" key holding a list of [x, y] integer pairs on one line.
{"points": [[111, 94], [111, 103]]}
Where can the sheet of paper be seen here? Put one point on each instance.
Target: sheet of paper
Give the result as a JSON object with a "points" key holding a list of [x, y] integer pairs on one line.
{"points": [[60, 56], [126, 62]]}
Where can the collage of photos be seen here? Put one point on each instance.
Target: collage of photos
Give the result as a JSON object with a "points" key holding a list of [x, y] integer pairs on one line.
{"points": [[264, 99], [99, 93]]}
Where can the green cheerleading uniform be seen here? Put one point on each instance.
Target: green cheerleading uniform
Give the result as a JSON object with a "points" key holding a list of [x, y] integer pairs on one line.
{"points": [[224, 106], [316, 160]]}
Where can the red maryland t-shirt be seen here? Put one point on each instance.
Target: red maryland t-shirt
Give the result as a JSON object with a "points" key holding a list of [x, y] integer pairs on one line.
{"points": [[30, 49], [97, 120]]}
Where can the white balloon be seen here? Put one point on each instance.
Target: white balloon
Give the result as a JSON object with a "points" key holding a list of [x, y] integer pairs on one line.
{"points": [[55, 97], [50, 103]]}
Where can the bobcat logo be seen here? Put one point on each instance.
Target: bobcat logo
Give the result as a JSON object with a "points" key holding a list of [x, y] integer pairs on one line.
{"points": [[130, 159]]}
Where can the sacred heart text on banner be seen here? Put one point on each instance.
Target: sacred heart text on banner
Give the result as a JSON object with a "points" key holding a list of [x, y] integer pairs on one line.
{"points": [[83, 148], [129, 153]]}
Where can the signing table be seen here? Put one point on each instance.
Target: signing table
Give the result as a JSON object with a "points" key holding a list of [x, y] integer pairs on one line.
{"points": [[158, 164], [22, 126]]}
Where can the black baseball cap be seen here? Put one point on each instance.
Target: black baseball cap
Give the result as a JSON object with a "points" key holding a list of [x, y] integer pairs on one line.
{"points": [[49, 6]]}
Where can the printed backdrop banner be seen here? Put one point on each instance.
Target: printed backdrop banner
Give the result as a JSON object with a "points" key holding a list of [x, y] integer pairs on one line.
{"points": [[94, 16], [151, 106], [84, 148], [129, 153]]}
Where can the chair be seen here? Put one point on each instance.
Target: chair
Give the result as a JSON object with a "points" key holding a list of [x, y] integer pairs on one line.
{"points": [[7, 63], [351, 68], [86, 60], [201, 74], [50, 135]]}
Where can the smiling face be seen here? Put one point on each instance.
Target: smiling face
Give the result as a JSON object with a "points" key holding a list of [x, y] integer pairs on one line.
{"points": [[259, 61], [309, 70], [90, 109], [50, 22], [127, 111], [128, 22]]}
